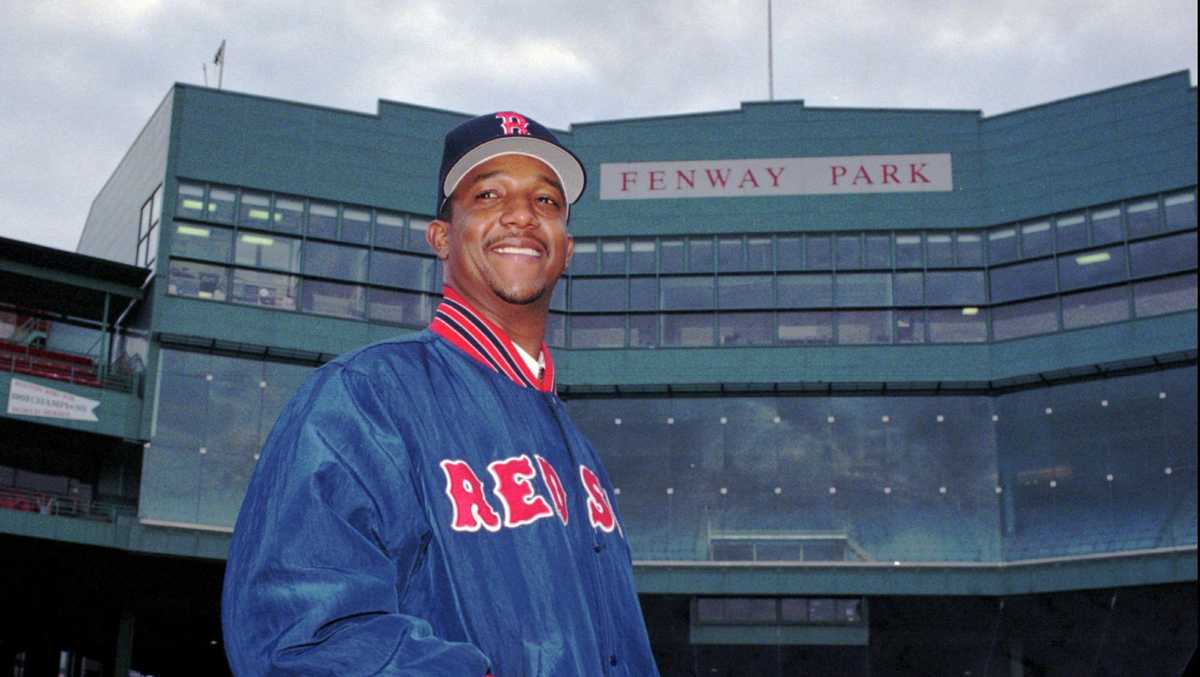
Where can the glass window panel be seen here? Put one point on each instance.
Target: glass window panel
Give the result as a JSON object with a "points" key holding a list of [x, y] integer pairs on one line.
{"points": [[144, 221], [687, 293], [672, 256], [389, 230], [791, 253], [879, 251], [1070, 232], [415, 239], [793, 610], [613, 253], [322, 220], [356, 226], [202, 242], [140, 256], [152, 244], [1002, 245], [1106, 226], [1036, 238], [1089, 269], [961, 288], [643, 331], [1142, 218], [189, 203], [220, 204], [806, 327], [908, 252], [558, 299], [556, 330], [1023, 280], [910, 325], [939, 250], [642, 256], [857, 327], [818, 252], [598, 295], [755, 610], [256, 210], [864, 289], [197, 280], [744, 291], [337, 261], [597, 331], [643, 293], [270, 290], [687, 330], [732, 255], [909, 289], [805, 291], [334, 298], [1180, 210], [1163, 255], [759, 254], [746, 329], [1098, 306], [267, 251], [957, 325], [1025, 319], [970, 249], [586, 259], [289, 215], [402, 270], [700, 255], [399, 307], [849, 252], [1166, 295]]}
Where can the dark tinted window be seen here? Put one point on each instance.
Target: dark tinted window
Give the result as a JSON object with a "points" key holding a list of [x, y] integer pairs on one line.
{"points": [[1163, 255], [1022, 280], [1092, 268], [954, 288], [598, 294], [337, 261]]}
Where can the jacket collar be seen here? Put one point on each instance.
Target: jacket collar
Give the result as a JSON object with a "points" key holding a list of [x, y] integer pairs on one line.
{"points": [[457, 322]]}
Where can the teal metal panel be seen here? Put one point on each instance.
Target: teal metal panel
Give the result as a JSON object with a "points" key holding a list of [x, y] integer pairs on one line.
{"points": [[119, 413], [773, 635]]}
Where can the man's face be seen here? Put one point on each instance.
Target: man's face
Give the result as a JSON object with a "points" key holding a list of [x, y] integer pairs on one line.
{"points": [[507, 239]]}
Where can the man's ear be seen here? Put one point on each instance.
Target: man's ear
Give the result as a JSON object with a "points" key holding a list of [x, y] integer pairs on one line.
{"points": [[437, 235]]}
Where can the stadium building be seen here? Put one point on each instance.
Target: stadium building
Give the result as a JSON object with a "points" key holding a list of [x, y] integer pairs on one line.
{"points": [[886, 392]]}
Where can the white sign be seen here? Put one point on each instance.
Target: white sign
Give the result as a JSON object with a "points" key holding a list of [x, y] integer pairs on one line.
{"points": [[31, 399], [776, 176]]}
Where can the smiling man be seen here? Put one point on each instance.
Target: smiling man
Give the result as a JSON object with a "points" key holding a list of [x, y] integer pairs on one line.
{"points": [[425, 506]]}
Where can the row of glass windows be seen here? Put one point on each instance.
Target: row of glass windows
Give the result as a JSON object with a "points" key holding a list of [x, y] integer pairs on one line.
{"points": [[1029, 279], [965, 324], [1069, 232]]}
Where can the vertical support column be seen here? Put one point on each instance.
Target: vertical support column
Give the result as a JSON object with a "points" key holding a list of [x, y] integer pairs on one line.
{"points": [[1016, 658], [105, 338], [123, 651]]}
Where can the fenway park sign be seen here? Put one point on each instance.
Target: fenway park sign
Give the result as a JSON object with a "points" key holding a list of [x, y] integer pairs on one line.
{"points": [[776, 176]]}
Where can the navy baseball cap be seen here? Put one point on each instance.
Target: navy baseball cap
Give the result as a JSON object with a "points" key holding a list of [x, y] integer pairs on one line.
{"points": [[480, 139]]}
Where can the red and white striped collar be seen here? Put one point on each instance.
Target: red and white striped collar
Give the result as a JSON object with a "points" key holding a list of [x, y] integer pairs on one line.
{"points": [[460, 324]]}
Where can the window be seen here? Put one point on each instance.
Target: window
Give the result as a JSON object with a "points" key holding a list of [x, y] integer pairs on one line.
{"points": [[866, 326], [1142, 218], [939, 251], [1098, 306], [731, 255], [334, 298], [267, 251], [399, 307], [612, 253], [700, 255], [1166, 295], [849, 252], [337, 261], [146, 252], [791, 253], [1002, 245], [197, 280], [909, 289], [908, 252], [643, 293], [1092, 268], [970, 249], [322, 220], [389, 230], [958, 288], [687, 293], [957, 325], [255, 211], [879, 251], [863, 289], [221, 204], [818, 252], [642, 256], [1180, 211], [271, 290], [806, 328], [1036, 238], [599, 295], [805, 291], [910, 325], [189, 202], [289, 215], [586, 258], [759, 254], [744, 291], [417, 229], [356, 225], [1023, 280], [643, 331], [402, 270], [211, 243], [746, 329], [1163, 255], [1106, 226], [1025, 319], [597, 331], [671, 252], [687, 330]]}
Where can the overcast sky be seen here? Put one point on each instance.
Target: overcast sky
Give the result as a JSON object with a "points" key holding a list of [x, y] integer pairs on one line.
{"points": [[79, 79]]}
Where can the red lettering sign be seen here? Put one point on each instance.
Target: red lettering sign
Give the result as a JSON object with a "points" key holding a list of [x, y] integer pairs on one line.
{"points": [[681, 178], [861, 174], [838, 172], [748, 177], [775, 177], [656, 179], [471, 509], [915, 169], [889, 172], [628, 179], [714, 179]]}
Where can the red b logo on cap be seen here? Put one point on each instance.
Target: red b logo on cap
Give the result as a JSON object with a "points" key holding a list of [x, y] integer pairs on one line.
{"points": [[513, 123]]}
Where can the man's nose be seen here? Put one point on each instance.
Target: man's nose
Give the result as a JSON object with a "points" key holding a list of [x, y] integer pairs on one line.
{"points": [[519, 211]]}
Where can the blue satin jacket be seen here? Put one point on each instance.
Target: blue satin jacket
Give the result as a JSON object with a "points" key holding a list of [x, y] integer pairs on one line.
{"points": [[425, 506]]}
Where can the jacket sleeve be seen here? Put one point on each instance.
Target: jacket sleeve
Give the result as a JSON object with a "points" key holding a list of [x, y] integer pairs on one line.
{"points": [[329, 530]]}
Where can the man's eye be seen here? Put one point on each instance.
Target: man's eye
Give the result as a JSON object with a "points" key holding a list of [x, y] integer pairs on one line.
{"points": [[486, 194], [546, 199]]}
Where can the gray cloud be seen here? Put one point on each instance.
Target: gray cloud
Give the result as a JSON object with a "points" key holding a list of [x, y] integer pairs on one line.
{"points": [[81, 78]]}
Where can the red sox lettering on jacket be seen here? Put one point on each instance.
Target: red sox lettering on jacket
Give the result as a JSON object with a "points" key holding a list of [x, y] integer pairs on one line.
{"points": [[518, 496]]}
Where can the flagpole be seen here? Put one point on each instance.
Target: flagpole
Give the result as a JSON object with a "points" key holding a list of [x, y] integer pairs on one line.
{"points": [[221, 68]]}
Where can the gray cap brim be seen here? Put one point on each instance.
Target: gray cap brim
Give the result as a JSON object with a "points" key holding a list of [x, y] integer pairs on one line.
{"points": [[564, 164]]}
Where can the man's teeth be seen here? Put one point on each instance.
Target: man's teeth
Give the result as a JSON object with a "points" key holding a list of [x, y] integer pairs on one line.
{"points": [[522, 251]]}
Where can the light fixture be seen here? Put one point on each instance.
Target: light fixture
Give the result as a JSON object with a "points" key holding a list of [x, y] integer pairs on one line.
{"points": [[970, 310], [194, 231], [1089, 259], [260, 240]]}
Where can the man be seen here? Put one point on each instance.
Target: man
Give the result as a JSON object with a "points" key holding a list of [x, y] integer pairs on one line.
{"points": [[424, 506]]}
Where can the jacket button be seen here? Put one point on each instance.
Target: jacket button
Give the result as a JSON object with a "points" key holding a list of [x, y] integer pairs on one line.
{"points": [[612, 660], [597, 547]]}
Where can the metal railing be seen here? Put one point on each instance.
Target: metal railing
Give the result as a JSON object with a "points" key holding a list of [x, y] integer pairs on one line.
{"points": [[62, 366], [62, 505]]}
